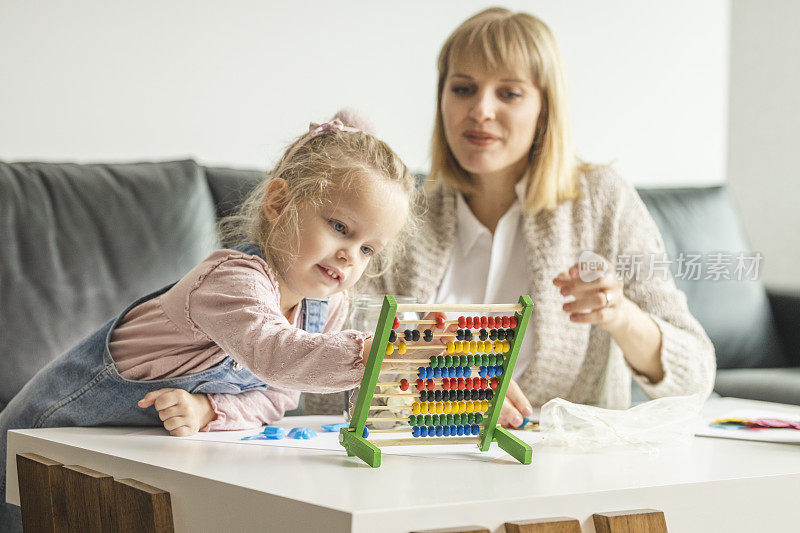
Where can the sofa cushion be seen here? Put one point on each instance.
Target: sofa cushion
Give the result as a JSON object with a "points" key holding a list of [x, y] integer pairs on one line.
{"points": [[736, 314], [230, 187], [80, 242], [781, 385]]}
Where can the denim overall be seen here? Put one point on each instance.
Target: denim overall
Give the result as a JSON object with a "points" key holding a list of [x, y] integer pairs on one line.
{"points": [[84, 388]]}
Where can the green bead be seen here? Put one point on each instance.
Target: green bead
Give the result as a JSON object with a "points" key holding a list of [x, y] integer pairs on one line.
{"points": [[478, 418], [436, 420], [492, 360], [457, 418], [440, 361], [433, 361], [471, 360], [462, 361], [448, 361], [450, 419], [428, 420], [412, 420], [484, 360], [470, 418]]}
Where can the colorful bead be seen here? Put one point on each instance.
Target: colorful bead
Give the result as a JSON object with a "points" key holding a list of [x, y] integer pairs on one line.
{"points": [[396, 323], [478, 418], [429, 384], [389, 349], [482, 371], [484, 321], [494, 383], [428, 373], [450, 347], [439, 431], [423, 431], [469, 322], [404, 384], [490, 371], [439, 407], [510, 335], [476, 429], [407, 335], [392, 336], [440, 321], [459, 430], [401, 349], [498, 370], [428, 419], [428, 335], [462, 322], [366, 433], [501, 334], [506, 346], [415, 335], [415, 408], [419, 383], [440, 361], [512, 322], [415, 431]]}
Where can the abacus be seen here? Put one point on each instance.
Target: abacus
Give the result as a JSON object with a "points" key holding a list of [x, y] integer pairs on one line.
{"points": [[458, 393]]}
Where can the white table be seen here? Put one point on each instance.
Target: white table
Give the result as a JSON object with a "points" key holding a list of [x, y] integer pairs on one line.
{"points": [[712, 485]]}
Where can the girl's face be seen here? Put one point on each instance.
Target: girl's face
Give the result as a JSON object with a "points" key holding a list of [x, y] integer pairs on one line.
{"points": [[490, 120], [339, 238]]}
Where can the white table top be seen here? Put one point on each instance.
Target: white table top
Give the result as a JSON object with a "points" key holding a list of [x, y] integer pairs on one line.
{"points": [[331, 480]]}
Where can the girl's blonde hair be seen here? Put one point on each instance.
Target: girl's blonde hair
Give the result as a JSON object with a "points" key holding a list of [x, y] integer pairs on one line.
{"points": [[315, 170], [498, 40]]}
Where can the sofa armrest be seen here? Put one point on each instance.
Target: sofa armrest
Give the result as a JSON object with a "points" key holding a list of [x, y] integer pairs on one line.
{"points": [[786, 310]]}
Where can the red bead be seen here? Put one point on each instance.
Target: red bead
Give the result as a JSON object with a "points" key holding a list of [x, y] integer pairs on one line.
{"points": [[446, 384], [513, 322], [493, 383], [403, 384], [430, 385], [469, 322], [484, 322], [460, 383], [468, 384], [420, 384], [506, 322], [396, 323], [476, 383], [440, 321], [462, 322], [489, 321], [484, 383]]}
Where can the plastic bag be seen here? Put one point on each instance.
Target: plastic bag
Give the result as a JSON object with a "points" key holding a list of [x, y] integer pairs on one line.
{"points": [[665, 421]]}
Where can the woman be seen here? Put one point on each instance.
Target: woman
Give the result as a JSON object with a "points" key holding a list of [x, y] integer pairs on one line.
{"points": [[510, 211]]}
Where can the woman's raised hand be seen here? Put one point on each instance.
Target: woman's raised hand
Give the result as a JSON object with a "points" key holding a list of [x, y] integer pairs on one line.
{"points": [[598, 297]]}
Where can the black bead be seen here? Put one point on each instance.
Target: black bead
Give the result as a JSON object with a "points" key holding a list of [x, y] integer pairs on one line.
{"points": [[510, 335], [437, 395], [483, 335], [415, 334], [408, 335], [481, 394], [459, 395], [501, 334], [468, 335], [489, 394], [460, 334], [492, 334], [428, 335], [392, 336]]}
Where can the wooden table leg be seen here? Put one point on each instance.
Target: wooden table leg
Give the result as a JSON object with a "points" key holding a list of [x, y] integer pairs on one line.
{"points": [[560, 524], [89, 497], [635, 521], [41, 493], [142, 508]]}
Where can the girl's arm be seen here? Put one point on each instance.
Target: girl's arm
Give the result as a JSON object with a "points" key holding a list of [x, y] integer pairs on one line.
{"points": [[250, 409], [236, 305]]}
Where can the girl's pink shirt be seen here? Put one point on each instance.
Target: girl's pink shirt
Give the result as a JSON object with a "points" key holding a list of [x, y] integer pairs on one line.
{"points": [[229, 305]]}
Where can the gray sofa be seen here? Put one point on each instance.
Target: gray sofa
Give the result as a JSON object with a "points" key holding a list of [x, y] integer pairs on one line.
{"points": [[79, 242]]}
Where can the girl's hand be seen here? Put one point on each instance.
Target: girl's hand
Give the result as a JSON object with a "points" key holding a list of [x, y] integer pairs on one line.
{"points": [[183, 413], [597, 301], [515, 407]]}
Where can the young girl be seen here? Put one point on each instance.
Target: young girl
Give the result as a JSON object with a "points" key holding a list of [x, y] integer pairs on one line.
{"points": [[230, 345]]}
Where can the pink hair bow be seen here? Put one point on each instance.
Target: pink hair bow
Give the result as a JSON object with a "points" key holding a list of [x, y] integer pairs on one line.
{"points": [[315, 129]]}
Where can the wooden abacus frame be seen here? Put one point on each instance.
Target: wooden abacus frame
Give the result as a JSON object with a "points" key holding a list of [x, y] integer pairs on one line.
{"points": [[352, 437]]}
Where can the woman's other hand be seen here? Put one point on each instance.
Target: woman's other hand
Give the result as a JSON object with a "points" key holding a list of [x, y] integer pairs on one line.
{"points": [[183, 413], [515, 407]]}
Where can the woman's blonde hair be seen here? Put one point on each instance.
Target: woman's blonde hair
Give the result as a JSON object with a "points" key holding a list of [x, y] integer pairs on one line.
{"points": [[498, 40], [315, 170]]}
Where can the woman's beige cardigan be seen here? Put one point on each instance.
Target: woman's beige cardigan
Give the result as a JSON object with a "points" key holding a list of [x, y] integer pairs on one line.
{"points": [[577, 362]]}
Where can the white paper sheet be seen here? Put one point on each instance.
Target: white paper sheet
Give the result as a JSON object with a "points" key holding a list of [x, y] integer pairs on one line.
{"points": [[330, 441], [788, 436]]}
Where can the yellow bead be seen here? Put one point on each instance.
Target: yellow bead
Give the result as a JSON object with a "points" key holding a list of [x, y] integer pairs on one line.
{"points": [[440, 407], [415, 408], [389, 348], [506, 346], [423, 408], [498, 345], [402, 348], [457, 345], [450, 347], [470, 406], [487, 346], [462, 407], [448, 407], [473, 346], [485, 405]]}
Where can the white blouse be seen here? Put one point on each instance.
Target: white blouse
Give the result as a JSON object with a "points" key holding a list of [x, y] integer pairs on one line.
{"points": [[489, 269]]}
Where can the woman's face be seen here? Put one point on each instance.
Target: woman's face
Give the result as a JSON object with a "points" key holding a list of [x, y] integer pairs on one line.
{"points": [[490, 120]]}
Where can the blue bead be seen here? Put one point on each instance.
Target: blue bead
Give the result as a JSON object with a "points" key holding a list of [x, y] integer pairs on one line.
{"points": [[475, 429], [428, 373], [453, 430], [451, 372], [467, 371], [366, 433], [431, 431], [437, 373], [439, 431], [445, 431], [423, 431], [482, 371], [459, 372], [415, 431], [490, 372], [498, 370], [421, 372]]}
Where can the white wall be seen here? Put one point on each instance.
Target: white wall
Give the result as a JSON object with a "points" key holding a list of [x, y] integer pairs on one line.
{"points": [[231, 82], [765, 131]]}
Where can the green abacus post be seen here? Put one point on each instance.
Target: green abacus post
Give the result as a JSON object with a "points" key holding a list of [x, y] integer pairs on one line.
{"points": [[513, 446], [360, 447]]}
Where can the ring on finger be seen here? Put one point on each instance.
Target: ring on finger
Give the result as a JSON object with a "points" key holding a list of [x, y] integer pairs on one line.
{"points": [[609, 298]]}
